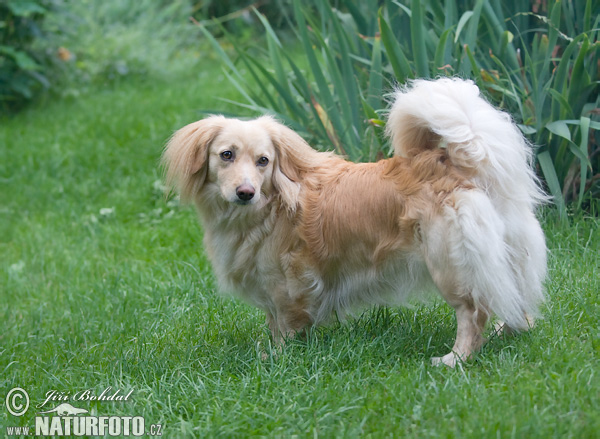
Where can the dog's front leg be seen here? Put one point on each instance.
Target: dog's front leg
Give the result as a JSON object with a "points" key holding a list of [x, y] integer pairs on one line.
{"points": [[277, 335], [290, 315], [288, 319]]}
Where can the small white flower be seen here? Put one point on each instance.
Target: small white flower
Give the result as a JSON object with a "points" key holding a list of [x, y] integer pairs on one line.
{"points": [[159, 186], [17, 267], [107, 211]]}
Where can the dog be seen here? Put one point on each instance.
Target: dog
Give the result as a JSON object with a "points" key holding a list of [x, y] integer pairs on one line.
{"points": [[305, 235]]}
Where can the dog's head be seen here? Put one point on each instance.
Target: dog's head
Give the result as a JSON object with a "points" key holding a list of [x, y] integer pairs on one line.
{"points": [[241, 162]]}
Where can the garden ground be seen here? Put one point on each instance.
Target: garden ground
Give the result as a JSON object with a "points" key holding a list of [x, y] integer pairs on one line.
{"points": [[103, 283]]}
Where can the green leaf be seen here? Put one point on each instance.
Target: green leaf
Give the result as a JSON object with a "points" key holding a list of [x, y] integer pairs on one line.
{"points": [[21, 59], [303, 88], [587, 16], [560, 128], [592, 124], [580, 154], [580, 78], [24, 8], [512, 91], [219, 50], [506, 39], [564, 64], [267, 26], [344, 129], [562, 101], [440, 52], [473, 25], [418, 39], [527, 129], [585, 164], [403, 7], [283, 91], [461, 24], [349, 87], [378, 127], [327, 107], [450, 13], [476, 71], [551, 178], [375, 76], [553, 27], [393, 51]]}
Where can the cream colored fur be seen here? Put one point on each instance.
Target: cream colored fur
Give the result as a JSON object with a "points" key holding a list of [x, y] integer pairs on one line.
{"points": [[452, 211]]}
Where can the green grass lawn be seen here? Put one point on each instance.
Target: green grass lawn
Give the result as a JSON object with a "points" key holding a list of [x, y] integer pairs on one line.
{"points": [[103, 283]]}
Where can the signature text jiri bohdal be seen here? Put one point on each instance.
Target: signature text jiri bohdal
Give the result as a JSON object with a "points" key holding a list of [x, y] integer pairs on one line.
{"points": [[108, 394]]}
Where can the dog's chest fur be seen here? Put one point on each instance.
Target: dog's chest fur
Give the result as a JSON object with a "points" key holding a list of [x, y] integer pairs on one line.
{"points": [[320, 257], [245, 254]]}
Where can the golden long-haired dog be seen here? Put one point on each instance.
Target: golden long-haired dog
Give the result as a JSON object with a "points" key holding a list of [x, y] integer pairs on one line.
{"points": [[304, 234]]}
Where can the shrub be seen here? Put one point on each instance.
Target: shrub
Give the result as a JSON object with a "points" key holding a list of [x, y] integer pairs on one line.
{"points": [[540, 65], [22, 69], [65, 45]]}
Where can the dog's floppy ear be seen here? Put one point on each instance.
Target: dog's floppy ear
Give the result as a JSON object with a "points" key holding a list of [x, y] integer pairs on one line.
{"points": [[294, 159], [185, 158]]}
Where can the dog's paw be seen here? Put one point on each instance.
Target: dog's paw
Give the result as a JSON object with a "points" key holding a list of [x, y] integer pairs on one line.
{"points": [[502, 329], [449, 360], [268, 352]]}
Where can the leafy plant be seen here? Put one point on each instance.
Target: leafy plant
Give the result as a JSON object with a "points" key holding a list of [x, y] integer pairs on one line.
{"points": [[550, 84], [21, 67], [542, 66]]}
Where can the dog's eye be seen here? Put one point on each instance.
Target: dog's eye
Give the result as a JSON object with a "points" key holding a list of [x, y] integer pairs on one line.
{"points": [[263, 161], [226, 155]]}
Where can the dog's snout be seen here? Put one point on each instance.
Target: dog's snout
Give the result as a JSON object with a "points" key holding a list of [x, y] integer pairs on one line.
{"points": [[245, 192]]}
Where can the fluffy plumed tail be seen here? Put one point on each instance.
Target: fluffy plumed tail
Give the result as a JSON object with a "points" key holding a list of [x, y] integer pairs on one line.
{"points": [[450, 113], [494, 242]]}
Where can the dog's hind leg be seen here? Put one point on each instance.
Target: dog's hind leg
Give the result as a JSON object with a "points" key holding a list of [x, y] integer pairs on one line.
{"points": [[501, 328], [470, 323], [470, 317], [469, 261]]}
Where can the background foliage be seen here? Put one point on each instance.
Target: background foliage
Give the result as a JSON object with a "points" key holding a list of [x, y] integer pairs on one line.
{"points": [[537, 60], [21, 67], [66, 45], [325, 67]]}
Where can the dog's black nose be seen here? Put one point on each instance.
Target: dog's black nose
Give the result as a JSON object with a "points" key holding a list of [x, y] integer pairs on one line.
{"points": [[245, 192]]}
